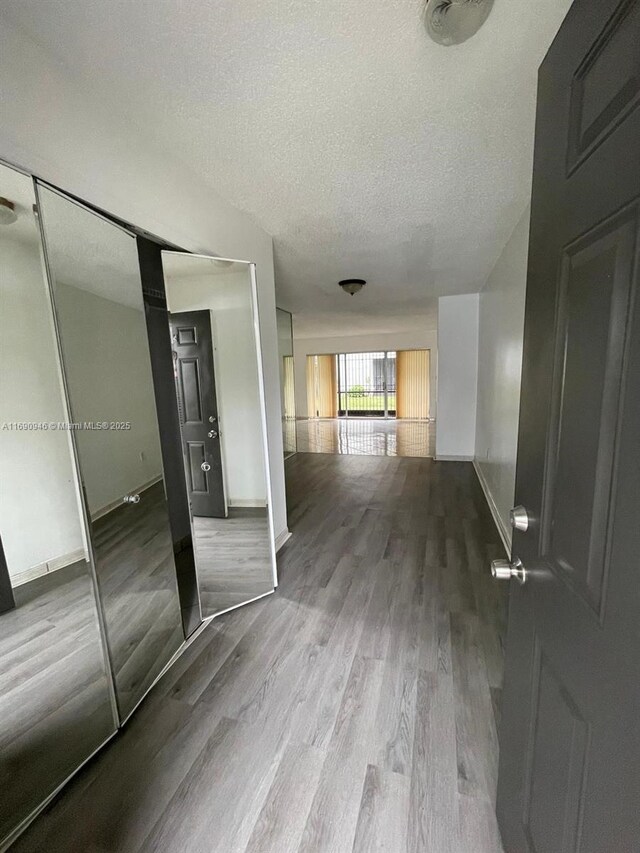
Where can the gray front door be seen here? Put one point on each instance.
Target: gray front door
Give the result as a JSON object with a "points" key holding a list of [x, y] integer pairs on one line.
{"points": [[569, 775]]}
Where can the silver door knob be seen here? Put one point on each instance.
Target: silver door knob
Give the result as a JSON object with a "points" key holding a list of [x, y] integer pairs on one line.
{"points": [[212, 433], [205, 466], [519, 518], [503, 570], [131, 499]]}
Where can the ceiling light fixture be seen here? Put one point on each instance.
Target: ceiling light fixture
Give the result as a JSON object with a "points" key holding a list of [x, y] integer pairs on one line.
{"points": [[352, 285], [8, 214], [454, 21]]}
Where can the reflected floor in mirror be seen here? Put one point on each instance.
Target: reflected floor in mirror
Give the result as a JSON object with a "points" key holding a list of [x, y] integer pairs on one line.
{"points": [[54, 689], [136, 575], [233, 556]]}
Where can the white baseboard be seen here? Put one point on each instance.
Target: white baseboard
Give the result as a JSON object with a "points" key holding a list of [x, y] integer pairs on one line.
{"points": [[63, 560], [247, 503], [42, 569], [444, 458], [119, 501], [282, 538], [503, 530]]}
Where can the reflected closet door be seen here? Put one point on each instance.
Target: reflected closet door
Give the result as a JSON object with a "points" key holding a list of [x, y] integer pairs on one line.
{"points": [[93, 267]]}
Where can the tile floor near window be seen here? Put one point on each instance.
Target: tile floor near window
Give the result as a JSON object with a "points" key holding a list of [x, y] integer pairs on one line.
{"points": [[366, 436]]}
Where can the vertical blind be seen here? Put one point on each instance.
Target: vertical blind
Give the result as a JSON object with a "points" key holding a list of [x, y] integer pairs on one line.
{"points": [[412, 384], [322, 391]]}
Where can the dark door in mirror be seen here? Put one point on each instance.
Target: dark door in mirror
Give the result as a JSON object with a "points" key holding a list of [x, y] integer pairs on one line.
{"points": [[192, 348], [214, 300]]}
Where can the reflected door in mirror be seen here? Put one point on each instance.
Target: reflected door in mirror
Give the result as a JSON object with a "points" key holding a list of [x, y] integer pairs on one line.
{"points": [[192, 348], [213, 299]]}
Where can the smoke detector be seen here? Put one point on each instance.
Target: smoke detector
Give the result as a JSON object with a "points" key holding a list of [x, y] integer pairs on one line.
{"points": [[352, 285], [8, 213], [454, 21]]}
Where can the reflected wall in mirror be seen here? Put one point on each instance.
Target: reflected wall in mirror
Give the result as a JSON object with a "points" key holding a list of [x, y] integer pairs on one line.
{"points": [[56, 704], [95, 276], [217, 369], [287, 386]]}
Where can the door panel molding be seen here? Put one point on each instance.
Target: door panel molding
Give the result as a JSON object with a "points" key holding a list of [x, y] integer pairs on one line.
{"points": [[595, 110], [559, 736], [190, 387], [611, 244]]}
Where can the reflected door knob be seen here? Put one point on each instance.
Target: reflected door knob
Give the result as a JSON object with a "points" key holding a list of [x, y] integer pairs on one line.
{"points": [[205, 466], [131, 499], [212, 433], [503, 570], [519, 518]]}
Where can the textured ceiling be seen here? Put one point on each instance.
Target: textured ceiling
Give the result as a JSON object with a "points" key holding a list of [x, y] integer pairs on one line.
{"points": [[83, 251], [363, 147]]}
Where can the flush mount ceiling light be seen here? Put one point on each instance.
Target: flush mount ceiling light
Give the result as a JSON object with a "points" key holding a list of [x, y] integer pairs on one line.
{"points": [[8, 214], [352, 285], [454, 21]]}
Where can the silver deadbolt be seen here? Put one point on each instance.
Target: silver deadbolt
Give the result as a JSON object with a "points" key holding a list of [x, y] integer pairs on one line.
{"points": [[503, 570], [205, 466], [519, 518], [212, 420], [212, 433], [131, 499]]}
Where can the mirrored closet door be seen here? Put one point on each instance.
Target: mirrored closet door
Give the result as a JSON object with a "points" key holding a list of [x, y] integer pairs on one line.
{"points": [[56, 698], [97, 294], [218, 373], [287, 383]]}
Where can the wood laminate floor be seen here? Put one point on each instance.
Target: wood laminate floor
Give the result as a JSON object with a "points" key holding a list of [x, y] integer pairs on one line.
{"points": [[233, 558], [136, 575], [54, 696], [355, 710]]}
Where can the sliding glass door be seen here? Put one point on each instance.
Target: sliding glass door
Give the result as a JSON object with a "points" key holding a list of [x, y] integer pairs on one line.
{"points": [[385, 384], [366, 384]]}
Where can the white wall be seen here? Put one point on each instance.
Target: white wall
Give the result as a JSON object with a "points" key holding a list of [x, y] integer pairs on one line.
{"points": [[39, 513], [54, 127], [499, 367], [228, 298], [457, 376], [302, 347], [109, 376]]}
